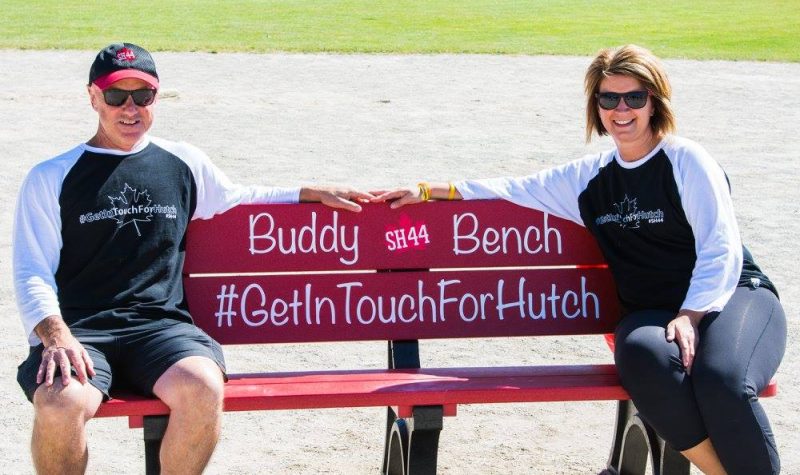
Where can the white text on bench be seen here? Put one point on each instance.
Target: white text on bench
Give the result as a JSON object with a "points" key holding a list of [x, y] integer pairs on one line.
{"points": [[309, 239], [256, 307], [532, 240]]}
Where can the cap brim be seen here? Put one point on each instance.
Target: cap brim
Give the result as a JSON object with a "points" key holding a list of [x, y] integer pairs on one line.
{"points": [[106, 81]]}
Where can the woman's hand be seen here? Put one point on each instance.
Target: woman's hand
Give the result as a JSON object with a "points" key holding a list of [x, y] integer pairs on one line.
{"points": [[400, 196], [683, 331], [423, 191]]}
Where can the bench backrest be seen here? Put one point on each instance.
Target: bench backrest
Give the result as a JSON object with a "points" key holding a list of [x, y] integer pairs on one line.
{"points": [[309, 273]]}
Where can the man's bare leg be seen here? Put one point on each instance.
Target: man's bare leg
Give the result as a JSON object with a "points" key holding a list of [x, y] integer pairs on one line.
{"points": [[58, 443], [193, 390]]}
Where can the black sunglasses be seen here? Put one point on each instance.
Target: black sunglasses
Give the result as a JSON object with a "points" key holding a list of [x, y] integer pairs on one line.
{"points": [[610, 100], [141, 97]]}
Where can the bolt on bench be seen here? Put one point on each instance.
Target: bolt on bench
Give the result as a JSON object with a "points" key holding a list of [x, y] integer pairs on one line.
{"points": [[303, 273]]}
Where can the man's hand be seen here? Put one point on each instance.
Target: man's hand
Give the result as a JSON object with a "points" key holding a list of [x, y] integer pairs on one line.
{"points": [[683, 331], [61, 351], [336, 197]]}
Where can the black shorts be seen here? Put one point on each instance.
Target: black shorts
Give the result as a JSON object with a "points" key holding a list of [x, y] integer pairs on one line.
{"points": [[131, 358]]}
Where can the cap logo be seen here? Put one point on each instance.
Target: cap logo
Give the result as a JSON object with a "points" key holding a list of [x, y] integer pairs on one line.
{"points": [[125, 54]]}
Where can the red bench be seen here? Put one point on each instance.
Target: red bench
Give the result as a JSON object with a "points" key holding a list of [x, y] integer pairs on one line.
{"points": [[307, 273]]}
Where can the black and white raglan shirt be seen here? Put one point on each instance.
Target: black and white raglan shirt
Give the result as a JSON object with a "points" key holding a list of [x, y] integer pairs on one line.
{"points": [[665, 223], [99, 235]]}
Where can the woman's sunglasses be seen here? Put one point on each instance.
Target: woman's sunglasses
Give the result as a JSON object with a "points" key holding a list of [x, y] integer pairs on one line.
{"points": [[141, 97], [610, 100]]}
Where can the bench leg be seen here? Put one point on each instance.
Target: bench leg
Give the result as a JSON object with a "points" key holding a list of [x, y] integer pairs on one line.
{"points": [[423, 440], [635, 442], [401, 354], [154, 429], [636, 448], [623, 415], [394, 461], [413, 444]]}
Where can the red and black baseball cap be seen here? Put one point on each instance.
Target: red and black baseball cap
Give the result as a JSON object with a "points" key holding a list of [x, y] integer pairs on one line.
{"points": [[121, 61]]}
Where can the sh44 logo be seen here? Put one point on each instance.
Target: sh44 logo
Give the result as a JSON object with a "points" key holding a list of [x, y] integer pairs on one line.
{"points": [[406, 235]]}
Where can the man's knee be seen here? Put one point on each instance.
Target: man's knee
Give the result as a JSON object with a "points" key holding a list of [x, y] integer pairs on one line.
{"points": [[58, 402], [191, 383]]}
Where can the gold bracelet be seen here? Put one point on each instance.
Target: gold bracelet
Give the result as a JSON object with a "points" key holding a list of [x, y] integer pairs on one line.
{"points": [[452, 193], [424, 191]]}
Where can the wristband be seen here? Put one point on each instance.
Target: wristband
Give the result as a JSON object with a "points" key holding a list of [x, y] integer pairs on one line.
{"points": [[452, 193]]}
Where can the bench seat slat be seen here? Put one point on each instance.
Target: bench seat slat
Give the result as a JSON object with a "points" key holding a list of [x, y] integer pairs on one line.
{"points": [[407, 387], [363, 388]]}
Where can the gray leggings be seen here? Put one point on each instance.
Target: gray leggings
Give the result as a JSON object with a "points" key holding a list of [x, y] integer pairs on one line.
{"points": [[740, 350]]}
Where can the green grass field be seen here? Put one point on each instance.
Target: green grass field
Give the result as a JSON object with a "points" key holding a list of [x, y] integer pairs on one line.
{"points": [[766, 30]]}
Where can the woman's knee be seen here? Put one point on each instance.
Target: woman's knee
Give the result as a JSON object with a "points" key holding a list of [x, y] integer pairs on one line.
{"points": [[644, 352], [722, 384]]}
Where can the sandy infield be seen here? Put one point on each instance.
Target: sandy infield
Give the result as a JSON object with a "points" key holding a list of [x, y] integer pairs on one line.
{"points": [[382, 121]]}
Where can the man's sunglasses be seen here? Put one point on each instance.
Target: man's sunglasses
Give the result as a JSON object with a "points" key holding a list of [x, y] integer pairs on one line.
{"points": [[610, 100], [141, 97]]}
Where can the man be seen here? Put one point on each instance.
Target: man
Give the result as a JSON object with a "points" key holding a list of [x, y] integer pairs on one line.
{"points": [[98, 253]]}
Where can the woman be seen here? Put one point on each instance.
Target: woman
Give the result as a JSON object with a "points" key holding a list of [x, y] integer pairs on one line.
{"points": [[702, 330]]}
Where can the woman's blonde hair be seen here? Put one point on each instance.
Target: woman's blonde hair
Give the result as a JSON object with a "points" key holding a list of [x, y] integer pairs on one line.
{"points": [[638, 63]]}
